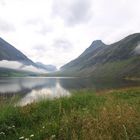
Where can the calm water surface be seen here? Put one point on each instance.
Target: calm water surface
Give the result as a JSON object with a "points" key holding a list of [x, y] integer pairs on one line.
{"points": [[32, 89]]}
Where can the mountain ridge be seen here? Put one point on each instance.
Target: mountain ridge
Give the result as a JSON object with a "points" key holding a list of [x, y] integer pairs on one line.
{"points": [[10, 53], [99, 60]]}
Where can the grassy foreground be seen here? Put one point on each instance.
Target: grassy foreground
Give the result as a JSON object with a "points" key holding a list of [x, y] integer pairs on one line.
{"points": [[110, 115]]}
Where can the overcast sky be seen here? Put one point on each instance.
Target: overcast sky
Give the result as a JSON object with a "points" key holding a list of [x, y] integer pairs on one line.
{"points": [[57, 31]]}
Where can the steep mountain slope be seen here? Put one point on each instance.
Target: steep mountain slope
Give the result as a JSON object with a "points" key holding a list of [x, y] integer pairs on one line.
{"points": [[121, 59], [85, 57], [10, 53]]}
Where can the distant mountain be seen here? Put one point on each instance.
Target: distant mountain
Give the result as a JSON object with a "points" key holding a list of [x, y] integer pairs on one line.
{"points": [[120, 59], [49, 68]]}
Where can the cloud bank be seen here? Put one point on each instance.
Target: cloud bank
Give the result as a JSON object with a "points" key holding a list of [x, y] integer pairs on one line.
{"points": [[19, 66]]}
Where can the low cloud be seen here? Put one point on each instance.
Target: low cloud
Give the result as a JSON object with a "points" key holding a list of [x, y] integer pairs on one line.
{"points": [[10, 64], [137, 49], [19, 66]]}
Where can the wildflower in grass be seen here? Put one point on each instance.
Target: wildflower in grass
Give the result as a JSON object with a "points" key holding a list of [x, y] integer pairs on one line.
{"points": [[13, 126], [21, 138], [53, 136], [43, 127], [2, 133], [9, 127], [32, 135]]}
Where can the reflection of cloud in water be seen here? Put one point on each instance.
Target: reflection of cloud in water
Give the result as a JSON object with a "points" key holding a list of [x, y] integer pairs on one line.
{"points": [[35, 82], [9, 85], [45, 93], [4, 88]]}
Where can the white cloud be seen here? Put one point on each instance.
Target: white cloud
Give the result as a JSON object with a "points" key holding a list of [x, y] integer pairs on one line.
{"points": [[10, 64], [78, 22], [19, 66], [137, 49]]}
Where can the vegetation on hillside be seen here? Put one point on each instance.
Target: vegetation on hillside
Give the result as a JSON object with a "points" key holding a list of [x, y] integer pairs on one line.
{"points": [[116, 60]]}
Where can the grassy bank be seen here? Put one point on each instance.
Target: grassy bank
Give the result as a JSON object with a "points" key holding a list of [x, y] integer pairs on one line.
{"points": [[109, 115]]}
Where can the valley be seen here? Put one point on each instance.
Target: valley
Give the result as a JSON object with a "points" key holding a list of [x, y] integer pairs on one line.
{"points": [[96, 95]]}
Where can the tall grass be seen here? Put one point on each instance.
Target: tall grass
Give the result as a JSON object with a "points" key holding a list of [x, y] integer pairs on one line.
{"points": [[114, 115]]}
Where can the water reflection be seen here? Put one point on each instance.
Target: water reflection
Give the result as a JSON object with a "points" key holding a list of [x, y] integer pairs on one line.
{"points": [[45, 93], [19, 85], [32, 89]]}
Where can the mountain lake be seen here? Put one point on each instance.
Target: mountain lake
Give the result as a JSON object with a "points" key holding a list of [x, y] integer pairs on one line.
{"points": [[33, 89]]}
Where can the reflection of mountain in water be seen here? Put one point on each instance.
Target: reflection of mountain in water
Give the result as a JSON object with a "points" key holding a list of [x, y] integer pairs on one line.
{"points": [[76, 83], [45, 93], [82, 83], [10, 86]]}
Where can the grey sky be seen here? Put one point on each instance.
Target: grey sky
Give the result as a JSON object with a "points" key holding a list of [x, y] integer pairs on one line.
{"points": [[6, 26], [57, 31], [73, 12]]}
